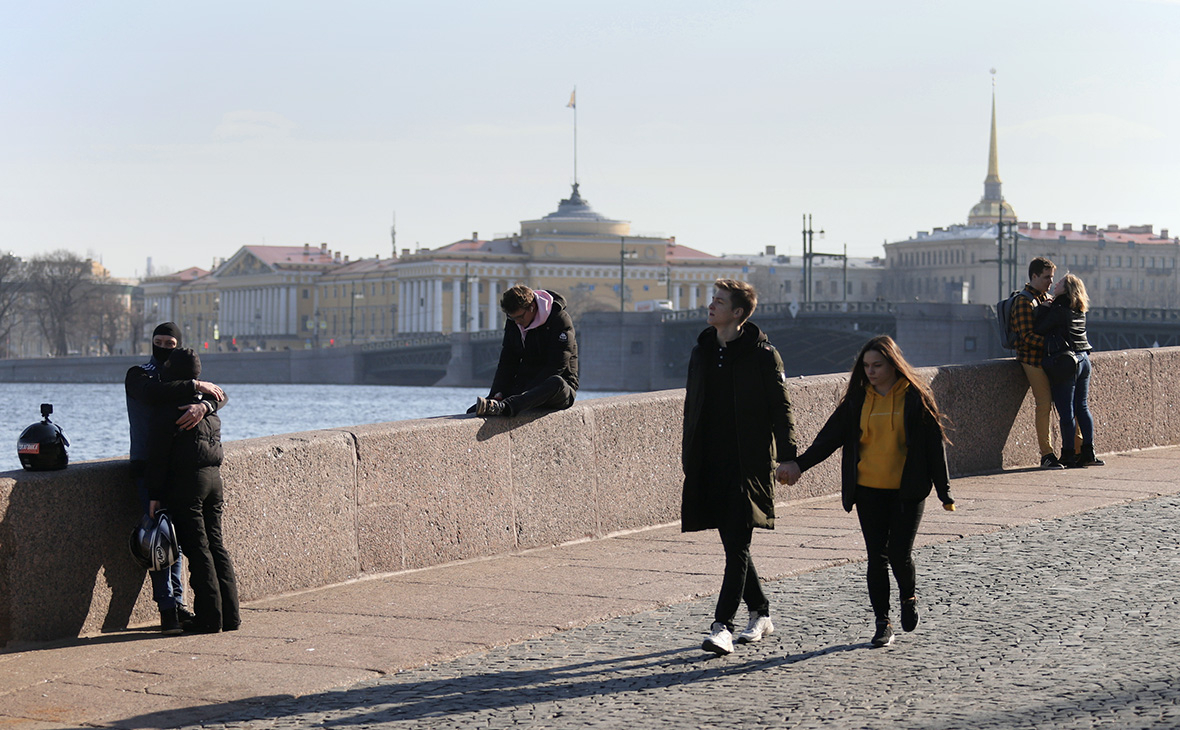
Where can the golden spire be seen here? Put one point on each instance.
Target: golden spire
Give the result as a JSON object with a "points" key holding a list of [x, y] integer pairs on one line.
{"points": [[993, 155]]}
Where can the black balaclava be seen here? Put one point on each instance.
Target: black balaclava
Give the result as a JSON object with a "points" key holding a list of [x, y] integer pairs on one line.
{"points": [[172, 330], [183, 364]]}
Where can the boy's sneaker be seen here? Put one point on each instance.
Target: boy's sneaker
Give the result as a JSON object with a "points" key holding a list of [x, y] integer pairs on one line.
{"points": [[170, 622], [909, 614], [760, 625], [489, 407], [720, 641], [884, 635], [1050, 461]]}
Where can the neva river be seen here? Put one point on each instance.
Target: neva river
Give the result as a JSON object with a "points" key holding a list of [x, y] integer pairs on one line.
{"points": [[94, 416]]}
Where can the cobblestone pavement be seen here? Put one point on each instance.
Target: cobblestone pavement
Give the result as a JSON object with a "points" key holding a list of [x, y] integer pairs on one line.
{"points": [[1070, 623]]}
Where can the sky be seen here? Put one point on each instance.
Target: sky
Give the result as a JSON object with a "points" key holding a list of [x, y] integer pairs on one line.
{"points": [[182, 132]]}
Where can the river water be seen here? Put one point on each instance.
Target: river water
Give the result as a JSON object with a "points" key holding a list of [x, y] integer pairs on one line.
{"points": [[94, 416]]}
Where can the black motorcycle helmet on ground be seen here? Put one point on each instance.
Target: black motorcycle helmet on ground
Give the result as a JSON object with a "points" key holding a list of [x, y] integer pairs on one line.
{"points": [[43, 446]]}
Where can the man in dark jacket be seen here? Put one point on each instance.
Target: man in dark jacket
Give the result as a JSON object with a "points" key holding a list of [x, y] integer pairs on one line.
{"points": [[146, 392], [538, 359], [737, 424]]}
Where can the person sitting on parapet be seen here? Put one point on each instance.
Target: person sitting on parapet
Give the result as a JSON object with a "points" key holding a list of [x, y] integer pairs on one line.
{"points": [[538, 359]]}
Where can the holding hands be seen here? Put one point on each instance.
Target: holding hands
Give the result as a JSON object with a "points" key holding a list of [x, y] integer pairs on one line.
{"points": [[788, 473]]}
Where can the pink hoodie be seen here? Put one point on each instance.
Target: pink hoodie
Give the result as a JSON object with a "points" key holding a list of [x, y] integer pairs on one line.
{"points": [[544, 307]]}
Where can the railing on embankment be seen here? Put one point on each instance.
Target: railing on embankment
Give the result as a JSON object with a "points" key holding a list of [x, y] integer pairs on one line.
{"points": [[311, 509]]}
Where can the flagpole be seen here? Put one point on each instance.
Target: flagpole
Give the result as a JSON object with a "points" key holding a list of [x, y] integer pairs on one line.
{"points": [[574, 105]]}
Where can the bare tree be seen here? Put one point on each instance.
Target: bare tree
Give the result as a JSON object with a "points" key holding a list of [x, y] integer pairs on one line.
{"points": [[12, 286], [108, 314], [61, 283]]}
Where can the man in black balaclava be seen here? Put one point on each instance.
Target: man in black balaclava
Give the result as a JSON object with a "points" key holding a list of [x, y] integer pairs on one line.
{"points": [[146, 391]]}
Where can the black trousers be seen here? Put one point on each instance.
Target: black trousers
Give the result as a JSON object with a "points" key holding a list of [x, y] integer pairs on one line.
{"points": [[196, 504], [552, 393], [740, 581], [889, 525]]}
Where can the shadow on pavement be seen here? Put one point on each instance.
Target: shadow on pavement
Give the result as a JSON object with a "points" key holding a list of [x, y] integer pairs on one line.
{"points": [[472, 693]]}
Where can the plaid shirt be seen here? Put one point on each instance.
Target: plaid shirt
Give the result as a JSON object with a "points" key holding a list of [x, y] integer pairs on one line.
{"points": [[1030, 347]]}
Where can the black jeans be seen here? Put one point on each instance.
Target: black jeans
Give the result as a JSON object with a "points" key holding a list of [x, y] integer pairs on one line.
{"points": [[740, 580], [889, 525], [552, 393], [196, 505]]}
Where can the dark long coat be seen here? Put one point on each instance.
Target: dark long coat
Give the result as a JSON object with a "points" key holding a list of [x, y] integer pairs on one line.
{"points": [[765, 427]]}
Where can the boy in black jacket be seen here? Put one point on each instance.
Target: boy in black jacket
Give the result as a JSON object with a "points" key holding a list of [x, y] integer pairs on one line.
{"points": [[184, 475], [538, 365]]}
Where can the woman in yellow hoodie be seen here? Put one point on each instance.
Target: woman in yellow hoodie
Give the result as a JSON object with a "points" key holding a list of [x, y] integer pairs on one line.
{"points": [[892, 436]]}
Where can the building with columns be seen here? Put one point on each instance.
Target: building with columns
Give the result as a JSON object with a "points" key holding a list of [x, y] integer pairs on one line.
{"points": [[595, 262]]}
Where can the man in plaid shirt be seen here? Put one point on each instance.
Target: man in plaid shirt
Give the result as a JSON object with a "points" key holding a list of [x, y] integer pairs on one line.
{"points": [[1030, 351]]}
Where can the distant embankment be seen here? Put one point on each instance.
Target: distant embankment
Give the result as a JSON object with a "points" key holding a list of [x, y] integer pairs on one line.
{"points": [[311, 509], [329, 365]]}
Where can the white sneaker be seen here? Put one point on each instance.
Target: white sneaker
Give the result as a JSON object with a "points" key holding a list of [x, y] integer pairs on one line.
{"points": [[720, 641], [759, 626]]}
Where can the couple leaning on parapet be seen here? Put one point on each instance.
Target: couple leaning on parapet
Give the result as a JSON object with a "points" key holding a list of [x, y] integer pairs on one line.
{"points": [[175, 461], [1048, 323]]}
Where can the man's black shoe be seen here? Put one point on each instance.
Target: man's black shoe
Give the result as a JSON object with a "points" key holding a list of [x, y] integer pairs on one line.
{"points": [[1049, 461], [490, 407], [169, 623], [184, 614]]}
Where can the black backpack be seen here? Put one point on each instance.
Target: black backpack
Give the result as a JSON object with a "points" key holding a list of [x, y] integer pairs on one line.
{"points": [[1004, 317]]}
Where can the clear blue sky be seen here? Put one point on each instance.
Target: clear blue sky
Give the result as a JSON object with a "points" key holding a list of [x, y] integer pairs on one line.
{"points": [[183, 131]]}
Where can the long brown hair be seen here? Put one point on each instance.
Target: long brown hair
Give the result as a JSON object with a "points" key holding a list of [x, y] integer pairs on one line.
{"points": [[858, 382]]}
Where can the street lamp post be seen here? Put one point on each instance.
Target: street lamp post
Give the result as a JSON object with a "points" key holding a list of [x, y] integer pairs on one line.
{"points": [[808, 255], [624, 254]]}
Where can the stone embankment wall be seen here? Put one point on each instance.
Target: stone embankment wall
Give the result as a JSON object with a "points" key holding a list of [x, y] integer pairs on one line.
{"points": [[311, 509]]}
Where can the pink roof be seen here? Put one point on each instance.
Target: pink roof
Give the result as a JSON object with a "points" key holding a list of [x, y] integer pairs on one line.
{"points": [[676, 251], [278, 255], [1092, 234]]}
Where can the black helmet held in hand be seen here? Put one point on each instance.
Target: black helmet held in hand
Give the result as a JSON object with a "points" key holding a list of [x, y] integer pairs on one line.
{"points": [[42, 446], [153, 542]]}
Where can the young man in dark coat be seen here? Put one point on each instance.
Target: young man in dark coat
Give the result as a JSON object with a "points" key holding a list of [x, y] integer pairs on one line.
{"points": [[737, 425], [538, 359]]}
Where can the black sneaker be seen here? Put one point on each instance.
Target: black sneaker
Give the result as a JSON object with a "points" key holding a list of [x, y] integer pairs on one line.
{"points": [[169, 622], [490, 407], [1049, 461], [884, 635], [909, 614], [184, 614], [1086, 457]]}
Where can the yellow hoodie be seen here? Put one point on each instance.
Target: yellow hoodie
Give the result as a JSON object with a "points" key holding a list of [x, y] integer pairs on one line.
{"points": [[882, 437]]}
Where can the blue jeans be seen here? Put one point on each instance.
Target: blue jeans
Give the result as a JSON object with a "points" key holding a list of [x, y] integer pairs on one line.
{"points": [[1072, 401], [168, 584]]}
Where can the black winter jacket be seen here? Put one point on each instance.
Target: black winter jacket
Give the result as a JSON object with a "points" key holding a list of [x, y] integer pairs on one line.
{"points": [[765, 427], [175, 454], [1059, 319], [550, 349], [925, 461]]}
